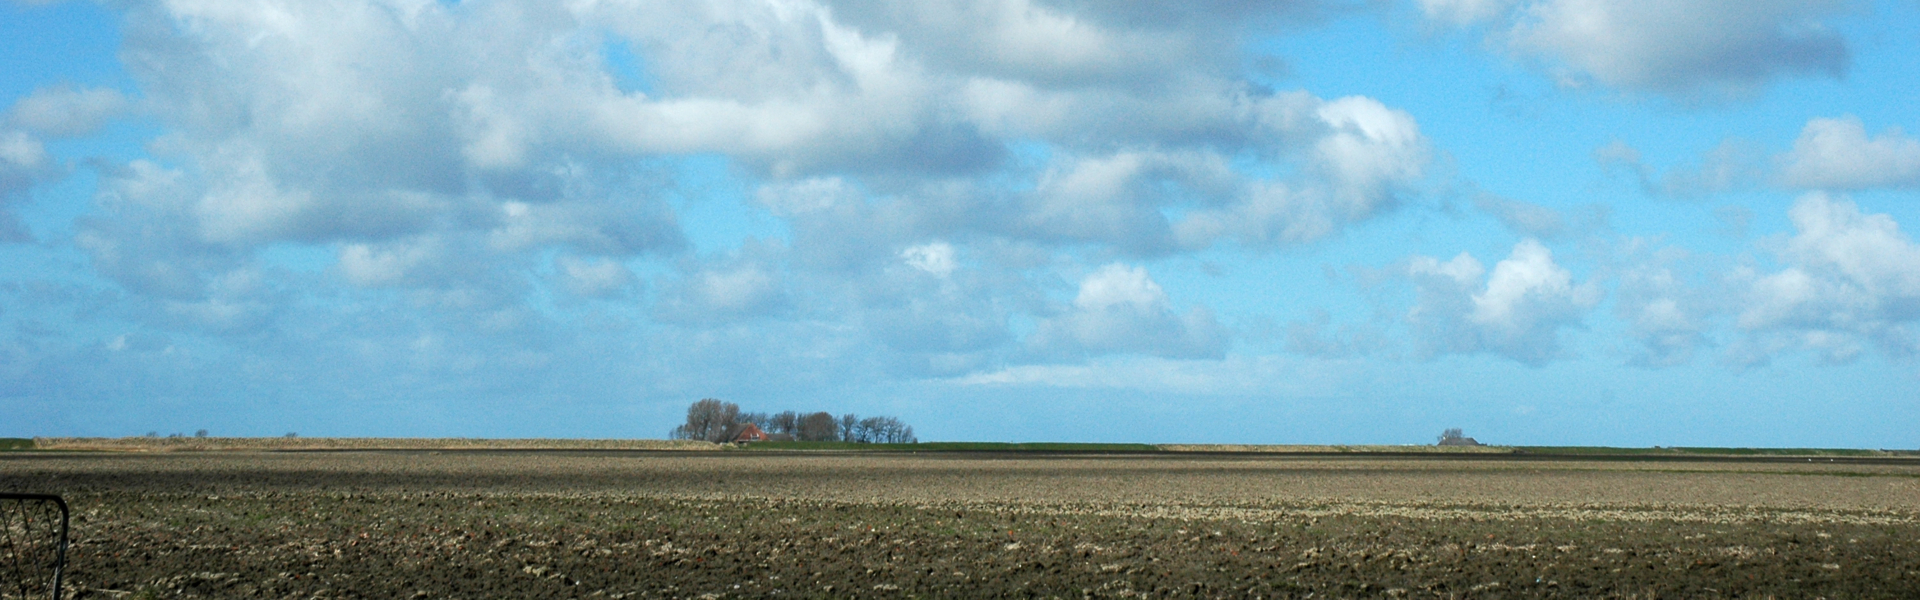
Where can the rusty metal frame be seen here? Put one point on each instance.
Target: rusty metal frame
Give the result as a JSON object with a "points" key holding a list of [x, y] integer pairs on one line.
{"points": [[60, 549]]}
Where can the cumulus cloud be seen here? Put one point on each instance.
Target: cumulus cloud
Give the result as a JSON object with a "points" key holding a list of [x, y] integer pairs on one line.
{"points": [[410, 262], [1120, 309], [503, 119], [1024, 40], [1682, 48], [1370, 152], [1364, 156], [1518, 311], [493, 175], [1067, 45], [1851, 280], [1836, 154], [1117, 199]]}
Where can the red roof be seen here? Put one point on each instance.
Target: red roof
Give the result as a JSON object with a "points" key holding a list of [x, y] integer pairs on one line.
{"points": [[751, 433]]}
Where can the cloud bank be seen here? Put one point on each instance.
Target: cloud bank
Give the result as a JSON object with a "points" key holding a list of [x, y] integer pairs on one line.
{"points": [[625, 201]]}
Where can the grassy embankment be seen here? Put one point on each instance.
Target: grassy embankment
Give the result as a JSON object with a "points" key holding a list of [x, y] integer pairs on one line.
{"points": [[959, 447], [16, 444]]}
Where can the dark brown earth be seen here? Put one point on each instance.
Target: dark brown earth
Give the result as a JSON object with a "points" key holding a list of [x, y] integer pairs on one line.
{"points": [[747, 525]]}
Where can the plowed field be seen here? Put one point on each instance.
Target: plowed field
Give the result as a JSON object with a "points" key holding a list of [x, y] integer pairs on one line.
{"points": [[628, 524]]}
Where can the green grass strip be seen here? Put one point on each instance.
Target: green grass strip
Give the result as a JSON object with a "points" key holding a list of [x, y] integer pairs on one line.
{"points": [[957, 447]]}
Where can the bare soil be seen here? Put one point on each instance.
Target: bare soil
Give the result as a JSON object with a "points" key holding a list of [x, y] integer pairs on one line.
{"points": [[628, 524]]}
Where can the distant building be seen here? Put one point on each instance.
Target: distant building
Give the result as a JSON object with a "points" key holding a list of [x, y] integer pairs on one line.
{"points": [[1455, 437], [750, 433]]}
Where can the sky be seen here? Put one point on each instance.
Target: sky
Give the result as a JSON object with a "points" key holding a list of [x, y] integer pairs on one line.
{"points": [[1546, 222]]}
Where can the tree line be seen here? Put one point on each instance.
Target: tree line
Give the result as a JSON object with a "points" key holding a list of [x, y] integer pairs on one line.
{"points": [[719, 421]]}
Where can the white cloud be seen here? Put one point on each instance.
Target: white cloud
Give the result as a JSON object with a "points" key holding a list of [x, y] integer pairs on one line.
{"points": [[1120, 309], [1025, 40], [492, 160], [1851, 279], [1118, 285], [1363, 156], [1836, 154], [484, 116], [933, 257], [1461, 270], [1371, 152], [1518, 313], [1683, 48], [370, 265], [66, 111], [1117, 199], [1067, 45], [1688, 46]]}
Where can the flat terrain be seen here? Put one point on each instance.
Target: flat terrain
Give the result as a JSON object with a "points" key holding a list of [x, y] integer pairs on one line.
{"points": [[680, 524]]}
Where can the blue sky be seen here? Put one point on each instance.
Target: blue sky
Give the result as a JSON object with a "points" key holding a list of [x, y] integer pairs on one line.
{"points": [[1543, 221]]}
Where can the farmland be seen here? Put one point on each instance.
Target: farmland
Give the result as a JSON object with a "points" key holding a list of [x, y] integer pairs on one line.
{"points": [[614, 523]]}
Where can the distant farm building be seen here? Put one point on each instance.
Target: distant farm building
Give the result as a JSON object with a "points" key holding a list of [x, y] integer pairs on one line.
{"points": [[750, 433], [1455, 437]]}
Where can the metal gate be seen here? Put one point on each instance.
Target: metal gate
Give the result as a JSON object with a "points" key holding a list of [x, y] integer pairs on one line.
{"points": [[33, 545]]}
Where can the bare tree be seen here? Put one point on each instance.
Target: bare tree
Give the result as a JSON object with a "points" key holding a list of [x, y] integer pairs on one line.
{"points": [[719, 421], [818, 427], [787, 422], [758, 419], [709, 419], [1452, 436], [885, 430], [850, 427]]}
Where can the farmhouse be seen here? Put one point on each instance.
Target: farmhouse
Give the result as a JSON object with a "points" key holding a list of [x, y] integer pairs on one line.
{"points": [[1459, 441], [750, 433]]}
